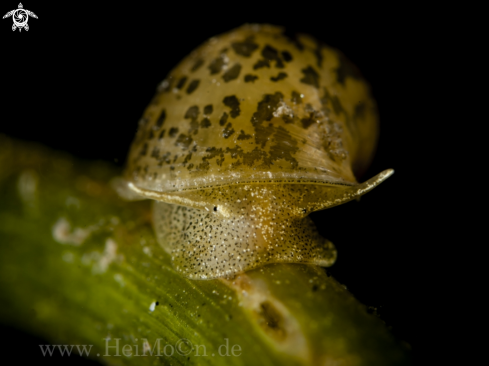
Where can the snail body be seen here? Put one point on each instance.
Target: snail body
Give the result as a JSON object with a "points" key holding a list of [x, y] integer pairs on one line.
{"points": [[245, 137]]}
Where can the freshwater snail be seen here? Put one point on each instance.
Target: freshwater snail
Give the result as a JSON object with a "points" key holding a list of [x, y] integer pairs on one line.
{"points": [[244, 138]]}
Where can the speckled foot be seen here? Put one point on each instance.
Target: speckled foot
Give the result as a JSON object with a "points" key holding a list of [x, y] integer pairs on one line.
{"points": [[205, 246]]}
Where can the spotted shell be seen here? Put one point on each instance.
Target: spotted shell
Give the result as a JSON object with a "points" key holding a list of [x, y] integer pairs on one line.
{"points": [[244, 138]]}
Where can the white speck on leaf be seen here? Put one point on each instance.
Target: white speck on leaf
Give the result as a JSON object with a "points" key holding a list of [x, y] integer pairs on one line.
{"points": [[109, 255], [147, 251], [64, 234]]}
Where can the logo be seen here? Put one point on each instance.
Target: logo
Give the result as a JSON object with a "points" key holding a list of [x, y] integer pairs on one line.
{"points": [[20, 17]]}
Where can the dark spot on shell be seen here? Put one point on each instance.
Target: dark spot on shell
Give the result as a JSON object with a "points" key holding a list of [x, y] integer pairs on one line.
{"points": [[162, 134], [190, 166], [235, 152], [345, 69], [215, 208], [161, 119], [249, 158], [245, 48], [261, 63], [224, 119], [243, 136], [250, 78], [150, 134], [315, 288], [173, 131], [325, 99], [280, 76], [192, 86], [197, 64], [307, 121], [205, 123], [217, 64], [208, 109], [296, 98], [360, 109], [228, 131], [155, 153], [232, 73], [212, 152], [204, 166], [165, 158], [187, 158], [192, 112], [181, 82], [311, 77], [271, 54], [232, 102], [286, 56], [264, 112], [144, 150], [220, 161], [288, 119], [264, 134], [284, 145], [266, 107], [335, 102], [183, 141]]}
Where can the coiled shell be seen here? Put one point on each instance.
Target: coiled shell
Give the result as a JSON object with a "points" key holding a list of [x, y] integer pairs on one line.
{"points": [[247, 135]]}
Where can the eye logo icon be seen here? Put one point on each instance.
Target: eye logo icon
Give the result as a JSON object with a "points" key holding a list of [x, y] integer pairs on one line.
{"points": [[20, 17]]}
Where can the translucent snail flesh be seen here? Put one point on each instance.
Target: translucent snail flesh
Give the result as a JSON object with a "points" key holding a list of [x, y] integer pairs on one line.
{"points": [[244, 138]]}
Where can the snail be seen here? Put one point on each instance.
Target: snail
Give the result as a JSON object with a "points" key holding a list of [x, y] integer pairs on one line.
{"points": [[244, 138]]}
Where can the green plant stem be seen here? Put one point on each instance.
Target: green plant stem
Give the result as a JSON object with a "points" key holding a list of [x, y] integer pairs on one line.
{"points": [[80, 266]]}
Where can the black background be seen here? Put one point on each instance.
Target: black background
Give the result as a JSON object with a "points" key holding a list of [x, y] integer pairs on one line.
{"points": [[80, 78]]}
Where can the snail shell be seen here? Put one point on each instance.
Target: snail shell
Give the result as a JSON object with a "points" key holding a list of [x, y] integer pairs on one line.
{"points": [[244, 138]]}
